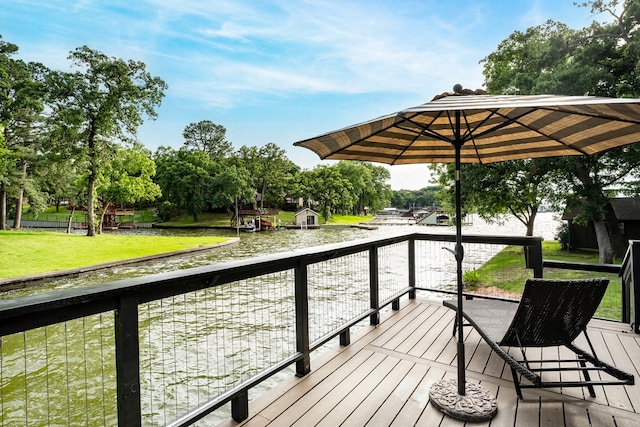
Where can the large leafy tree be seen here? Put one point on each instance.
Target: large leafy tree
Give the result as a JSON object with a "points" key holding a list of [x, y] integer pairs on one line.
{"points": [[270, 171], [602, 59], [369, 188], [328, 187], [208, 137], [127, 178], [100, 104], [230, 187], [186, 178], [21, 93]]}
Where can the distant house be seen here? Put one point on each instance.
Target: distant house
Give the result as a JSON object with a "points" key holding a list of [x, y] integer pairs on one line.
{"points": [[306, 217], [627, 210]]}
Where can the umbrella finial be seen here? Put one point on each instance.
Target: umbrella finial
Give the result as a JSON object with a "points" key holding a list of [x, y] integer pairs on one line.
{"points": [[457, 88]]}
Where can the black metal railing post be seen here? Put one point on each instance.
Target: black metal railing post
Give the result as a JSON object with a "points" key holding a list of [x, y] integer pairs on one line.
{"points": [[303, 366], [374, 291], [635, 288], [535, 259], [240, 407], [412, 267], [630, 272], [128, 362]]}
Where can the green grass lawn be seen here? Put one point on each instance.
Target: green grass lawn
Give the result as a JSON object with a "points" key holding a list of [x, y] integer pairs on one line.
{"points": [[507, 271], [25, 253]]}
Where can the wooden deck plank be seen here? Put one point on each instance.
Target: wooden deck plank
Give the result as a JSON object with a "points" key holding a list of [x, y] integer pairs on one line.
{"points": [[507, 400], [356, 395], [298, 400], [575, 416], [624, 362], [420, 341], [330, 403], [496, 366], [477, 352], [442, 337], [578, 392], [367, 409], [615, 396], [412, 332], [401, 329], [400, 394], [551, 414], [414, 406], [627, 422], [527, 410], [370, 382], [306, 403], [601, 419]]}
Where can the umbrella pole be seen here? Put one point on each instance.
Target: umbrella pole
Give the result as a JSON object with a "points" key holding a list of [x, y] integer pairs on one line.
{"points": [[467, 402], [459, 253]]}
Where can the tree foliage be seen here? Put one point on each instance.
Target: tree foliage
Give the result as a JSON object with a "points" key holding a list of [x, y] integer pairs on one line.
{"points": [[602, 59], [127, 178], [21, 93], [100, 104], [208, 137]]}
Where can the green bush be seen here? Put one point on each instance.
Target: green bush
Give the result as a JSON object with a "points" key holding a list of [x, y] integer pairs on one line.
{"points": [[563, 236], [471, 279], [167, 210]]}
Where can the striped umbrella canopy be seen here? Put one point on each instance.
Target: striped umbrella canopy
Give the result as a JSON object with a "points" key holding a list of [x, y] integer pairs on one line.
{"points": [[468, 126], [489, 128]]}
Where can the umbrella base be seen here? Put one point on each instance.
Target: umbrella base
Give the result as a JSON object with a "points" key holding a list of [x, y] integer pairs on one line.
{"points": [[476, 405]]}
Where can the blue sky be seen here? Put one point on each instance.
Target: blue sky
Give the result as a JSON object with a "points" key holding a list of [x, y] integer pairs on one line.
{"points": [[283, 70]]}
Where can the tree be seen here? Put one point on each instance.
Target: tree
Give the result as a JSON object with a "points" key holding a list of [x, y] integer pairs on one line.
{"points": [[230, 187], [328, 187], [208, 137], [186, 178], [368, 183], [602, 59], [127, 178], [101, 103], [270, 171], [21, 93]]}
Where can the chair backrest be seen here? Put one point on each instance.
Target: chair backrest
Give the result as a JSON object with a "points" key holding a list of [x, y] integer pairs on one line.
{"points": [[554, 312]]}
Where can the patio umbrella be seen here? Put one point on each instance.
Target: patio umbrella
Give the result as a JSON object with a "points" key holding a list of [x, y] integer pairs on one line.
{"points": [[467, 126]]}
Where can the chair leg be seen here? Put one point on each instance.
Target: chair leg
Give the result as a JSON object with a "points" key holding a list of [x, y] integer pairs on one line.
{"points": [[516, 383], [455, 325], [587, 377]]}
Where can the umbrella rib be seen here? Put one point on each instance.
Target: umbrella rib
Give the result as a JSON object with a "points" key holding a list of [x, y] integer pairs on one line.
{"points": [[425, 129], [469, 132]]}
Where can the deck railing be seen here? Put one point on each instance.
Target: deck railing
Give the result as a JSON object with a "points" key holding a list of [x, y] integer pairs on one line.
{"points": [[173, 348]]}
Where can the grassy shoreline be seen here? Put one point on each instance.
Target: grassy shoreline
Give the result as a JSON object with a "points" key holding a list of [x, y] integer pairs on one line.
{"points": [[507, 271], [26, 253]]}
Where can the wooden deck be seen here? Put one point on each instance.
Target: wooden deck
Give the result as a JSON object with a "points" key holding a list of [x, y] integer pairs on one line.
{"points": [[383, 379]]}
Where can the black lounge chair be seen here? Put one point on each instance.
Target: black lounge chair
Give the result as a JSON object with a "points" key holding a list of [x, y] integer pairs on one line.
{"points": [[550, 313]]}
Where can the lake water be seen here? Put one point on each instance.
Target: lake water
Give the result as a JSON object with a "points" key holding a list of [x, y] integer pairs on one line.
{"points": [[255, 244]]}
